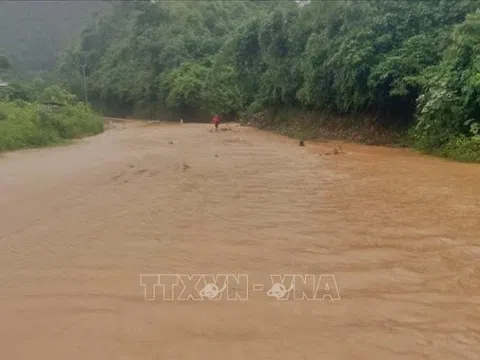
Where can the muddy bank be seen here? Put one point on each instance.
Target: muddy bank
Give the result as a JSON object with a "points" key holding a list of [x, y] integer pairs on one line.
{"points": [[320, 126]]}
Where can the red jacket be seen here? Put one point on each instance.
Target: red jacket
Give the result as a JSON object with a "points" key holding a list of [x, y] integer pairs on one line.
{"points": [[216, 119]]}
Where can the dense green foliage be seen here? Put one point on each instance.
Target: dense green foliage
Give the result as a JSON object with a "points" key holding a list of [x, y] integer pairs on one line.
{"points": [[450, 102], [405, 63], [37, 90], [27, 118], [155, 55]]}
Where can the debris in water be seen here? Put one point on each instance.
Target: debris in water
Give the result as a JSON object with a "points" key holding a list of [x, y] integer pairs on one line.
{"points": [[110, 125], [118, 176], [338, 150], [335, 151]]}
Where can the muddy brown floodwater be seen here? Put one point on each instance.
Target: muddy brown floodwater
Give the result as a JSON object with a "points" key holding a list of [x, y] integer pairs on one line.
{"points": [[397, 232]]}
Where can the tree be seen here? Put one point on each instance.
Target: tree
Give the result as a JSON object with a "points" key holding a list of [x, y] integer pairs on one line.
{"points": [[401, 61], [144, 53], [5, 63]]}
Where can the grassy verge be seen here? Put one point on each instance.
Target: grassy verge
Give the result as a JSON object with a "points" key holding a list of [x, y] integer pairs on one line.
{"points": [[461, 148], [30, 125]]}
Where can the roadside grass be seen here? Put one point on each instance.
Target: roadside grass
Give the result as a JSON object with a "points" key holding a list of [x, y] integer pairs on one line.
{"points": [[32, 125]]}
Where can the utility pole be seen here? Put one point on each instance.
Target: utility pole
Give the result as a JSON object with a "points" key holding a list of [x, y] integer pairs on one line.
{"points": [[84, 83]]}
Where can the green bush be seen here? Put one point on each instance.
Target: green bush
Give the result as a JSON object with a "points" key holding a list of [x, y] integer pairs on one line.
{"points": [[36, 125], [463, 149], [447, 109]]}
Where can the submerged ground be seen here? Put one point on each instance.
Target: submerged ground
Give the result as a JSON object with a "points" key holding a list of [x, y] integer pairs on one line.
{"points": [[398, 231]]}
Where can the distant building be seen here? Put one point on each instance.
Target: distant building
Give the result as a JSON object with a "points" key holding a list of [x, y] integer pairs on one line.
{"points": [[3, 84]]}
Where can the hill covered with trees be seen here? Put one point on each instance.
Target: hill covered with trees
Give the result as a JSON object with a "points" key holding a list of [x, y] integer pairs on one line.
{"points": [[409, 63], [33, 33], [152, 55]]}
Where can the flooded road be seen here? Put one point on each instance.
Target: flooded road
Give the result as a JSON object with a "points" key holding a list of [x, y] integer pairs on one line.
{"points": [[394, 234]]}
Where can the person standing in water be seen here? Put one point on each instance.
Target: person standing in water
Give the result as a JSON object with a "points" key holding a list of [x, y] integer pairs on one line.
{"points": [[216, 121]]}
